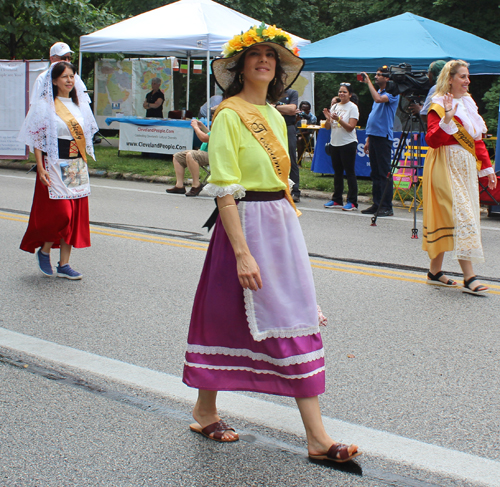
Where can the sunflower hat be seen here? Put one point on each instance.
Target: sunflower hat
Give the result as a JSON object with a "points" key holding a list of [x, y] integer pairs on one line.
{"points": [[278, 39]]}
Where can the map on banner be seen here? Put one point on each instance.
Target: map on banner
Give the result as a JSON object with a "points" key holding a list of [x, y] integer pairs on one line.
{"points": [[121, 87]]}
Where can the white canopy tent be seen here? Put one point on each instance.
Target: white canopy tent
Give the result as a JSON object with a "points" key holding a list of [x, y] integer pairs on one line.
{"points": [[187, 28]]}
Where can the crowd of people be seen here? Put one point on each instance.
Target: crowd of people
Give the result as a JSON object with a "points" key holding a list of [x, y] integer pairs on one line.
{"points": [[242, 335]]}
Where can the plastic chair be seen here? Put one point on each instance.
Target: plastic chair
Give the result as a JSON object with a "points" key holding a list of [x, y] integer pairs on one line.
{"points": [[407, 175]]}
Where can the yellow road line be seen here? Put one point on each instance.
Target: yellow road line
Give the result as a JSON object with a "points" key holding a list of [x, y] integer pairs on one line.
{"points": [[148, 237], [419, 278], [317, 264], [365, 268], [154, 239]]}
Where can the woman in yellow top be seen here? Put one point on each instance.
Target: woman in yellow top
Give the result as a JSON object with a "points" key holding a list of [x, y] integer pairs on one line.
{"points": [[254, 325]]}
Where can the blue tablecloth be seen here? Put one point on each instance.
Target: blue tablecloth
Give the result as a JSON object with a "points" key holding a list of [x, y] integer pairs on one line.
{"points": [[149, 121], [322, 163]]}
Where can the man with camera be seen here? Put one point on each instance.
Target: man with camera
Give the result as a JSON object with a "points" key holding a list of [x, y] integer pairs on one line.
{"points": [[379, 139]]}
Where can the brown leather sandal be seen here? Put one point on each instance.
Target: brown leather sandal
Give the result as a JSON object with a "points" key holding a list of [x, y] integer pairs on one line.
{"points": [[218, 429], [338, 452]]}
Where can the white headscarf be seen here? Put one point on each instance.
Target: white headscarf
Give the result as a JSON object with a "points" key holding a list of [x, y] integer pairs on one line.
{"points": [[39, 130]]}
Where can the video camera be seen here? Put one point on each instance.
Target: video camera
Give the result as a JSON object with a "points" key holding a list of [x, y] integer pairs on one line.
{"points": [[410, 84]]}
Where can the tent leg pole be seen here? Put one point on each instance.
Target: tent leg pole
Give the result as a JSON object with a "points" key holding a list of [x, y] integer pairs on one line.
{"points": [[188, 79], [209, 113], [80, 62], [497, 148]]}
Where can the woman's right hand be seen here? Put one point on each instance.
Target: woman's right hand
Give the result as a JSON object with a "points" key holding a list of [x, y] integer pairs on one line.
{"points": [[44, 177], [327, 114], [449, 109], [248, 272]]}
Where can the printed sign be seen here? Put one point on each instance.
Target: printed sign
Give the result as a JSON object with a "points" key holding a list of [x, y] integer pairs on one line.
{"points": [[161, 139]]}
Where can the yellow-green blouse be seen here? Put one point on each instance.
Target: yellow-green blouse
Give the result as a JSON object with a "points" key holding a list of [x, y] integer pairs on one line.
{"points": [[236, 157]]}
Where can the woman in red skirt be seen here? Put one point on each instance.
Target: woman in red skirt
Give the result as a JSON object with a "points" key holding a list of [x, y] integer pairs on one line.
{"points": [[59, 129]]}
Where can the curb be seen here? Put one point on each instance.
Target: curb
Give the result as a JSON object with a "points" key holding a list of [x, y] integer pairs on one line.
{"points": [[99, 173]]}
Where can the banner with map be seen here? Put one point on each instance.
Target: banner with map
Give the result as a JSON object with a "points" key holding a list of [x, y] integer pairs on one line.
{"points": [[121, 87]]}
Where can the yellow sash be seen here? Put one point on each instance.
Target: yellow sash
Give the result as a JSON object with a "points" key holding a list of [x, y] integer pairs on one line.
{"points": [[255, 122], [462, 136], [73, 126]]}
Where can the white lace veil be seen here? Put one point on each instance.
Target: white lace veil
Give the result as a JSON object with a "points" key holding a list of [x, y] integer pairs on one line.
{"points": [[39, 130]]}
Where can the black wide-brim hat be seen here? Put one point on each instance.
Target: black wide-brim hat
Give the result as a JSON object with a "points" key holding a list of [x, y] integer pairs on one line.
{"points": [[290, 63]]}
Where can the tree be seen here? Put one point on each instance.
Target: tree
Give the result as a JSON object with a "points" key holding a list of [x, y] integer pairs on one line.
{"points": [[29, 27]]}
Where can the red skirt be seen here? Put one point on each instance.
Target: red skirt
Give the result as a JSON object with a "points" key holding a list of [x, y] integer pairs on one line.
{"points": [[53, 220]]}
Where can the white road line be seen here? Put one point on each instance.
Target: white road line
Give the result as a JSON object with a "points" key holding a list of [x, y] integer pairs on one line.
{"points": [[314, 210], [426, 456]]}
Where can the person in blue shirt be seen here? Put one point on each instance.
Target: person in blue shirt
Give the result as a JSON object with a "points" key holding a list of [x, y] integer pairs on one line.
{"points": [[379, 139]]}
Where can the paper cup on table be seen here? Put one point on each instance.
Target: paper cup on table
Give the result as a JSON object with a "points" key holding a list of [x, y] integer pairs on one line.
{"points": [[303, 123], [322, 123]]}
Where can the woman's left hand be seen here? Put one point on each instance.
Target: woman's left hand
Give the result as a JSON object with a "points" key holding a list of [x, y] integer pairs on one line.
{"points": [[492, 181]]}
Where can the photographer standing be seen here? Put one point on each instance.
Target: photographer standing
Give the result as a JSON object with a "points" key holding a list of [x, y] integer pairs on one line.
{"points": [[379, 138]]}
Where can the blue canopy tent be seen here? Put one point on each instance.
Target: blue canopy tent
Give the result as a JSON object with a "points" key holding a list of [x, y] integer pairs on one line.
{"points": [[403, 38]]}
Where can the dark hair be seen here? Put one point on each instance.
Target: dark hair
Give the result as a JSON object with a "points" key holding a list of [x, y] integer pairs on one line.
{"points": [[384, 70], [274, 90], [348, 87], [304, 102], [57, 71]]}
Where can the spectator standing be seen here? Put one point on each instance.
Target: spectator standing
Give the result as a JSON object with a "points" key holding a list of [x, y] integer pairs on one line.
{"points": [[60, 51], [379, 138], [342, 119], [287, 106], [154, 100], [433, 73]]}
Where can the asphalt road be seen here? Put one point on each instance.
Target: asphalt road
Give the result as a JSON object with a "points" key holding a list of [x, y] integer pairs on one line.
{"points": [[412, 369]]}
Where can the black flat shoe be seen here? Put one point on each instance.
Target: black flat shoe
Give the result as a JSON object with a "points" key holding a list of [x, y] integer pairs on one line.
{"points": [[386, 212], [371, 210], [434, 280]]}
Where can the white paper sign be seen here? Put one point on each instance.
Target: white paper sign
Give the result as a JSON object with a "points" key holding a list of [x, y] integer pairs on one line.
{"points": [[160, 139], [12, 107]]}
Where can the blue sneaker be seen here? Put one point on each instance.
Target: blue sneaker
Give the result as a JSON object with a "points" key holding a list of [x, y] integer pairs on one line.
{"points": [[332, 204], [44, 263], [350, 207], [67, 272]]}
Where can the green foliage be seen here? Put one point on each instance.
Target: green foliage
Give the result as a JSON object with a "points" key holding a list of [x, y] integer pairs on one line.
{"points": [[491, 99], [29, 27]]}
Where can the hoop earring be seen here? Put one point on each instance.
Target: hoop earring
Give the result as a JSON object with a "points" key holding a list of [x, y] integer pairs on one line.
{"points": [[240, 77]]}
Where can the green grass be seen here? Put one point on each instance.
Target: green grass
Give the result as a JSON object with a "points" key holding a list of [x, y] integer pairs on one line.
{"points": [[134, 162]]}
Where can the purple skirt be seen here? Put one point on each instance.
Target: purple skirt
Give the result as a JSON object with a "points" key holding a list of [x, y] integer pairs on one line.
{"points": [[222, 354]]}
